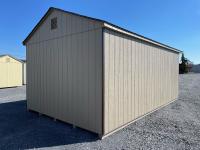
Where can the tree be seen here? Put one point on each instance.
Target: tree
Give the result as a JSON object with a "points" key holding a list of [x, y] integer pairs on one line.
{"points": [[183, 66]]}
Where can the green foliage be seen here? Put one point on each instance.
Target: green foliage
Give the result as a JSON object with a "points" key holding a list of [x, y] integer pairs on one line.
{"points": [[183, 66]]}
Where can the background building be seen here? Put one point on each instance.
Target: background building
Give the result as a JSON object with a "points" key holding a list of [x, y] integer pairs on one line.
{"points": [[10, 71]]}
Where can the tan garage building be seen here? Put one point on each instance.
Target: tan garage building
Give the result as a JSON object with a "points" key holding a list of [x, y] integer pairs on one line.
{"points": [[10, 71], [96, 75]]}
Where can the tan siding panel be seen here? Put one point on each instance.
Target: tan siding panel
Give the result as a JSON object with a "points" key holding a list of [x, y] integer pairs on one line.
{"points": [[68, 24], [106, 85], [139, 78], [65, 71]]}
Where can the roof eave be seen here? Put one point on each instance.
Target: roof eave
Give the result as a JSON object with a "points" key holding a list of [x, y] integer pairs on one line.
{"points": [[137, 36], [11, 57], [105, 24], [38, 25], [47, 14]]}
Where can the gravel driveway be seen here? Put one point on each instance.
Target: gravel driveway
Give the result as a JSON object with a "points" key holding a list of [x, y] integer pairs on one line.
{"points": [[176, 126]]}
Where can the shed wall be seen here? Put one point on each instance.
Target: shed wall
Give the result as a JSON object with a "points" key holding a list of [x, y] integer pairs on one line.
{"points": [[64, 71], [10, 72], [138, 78], [24, 73]]}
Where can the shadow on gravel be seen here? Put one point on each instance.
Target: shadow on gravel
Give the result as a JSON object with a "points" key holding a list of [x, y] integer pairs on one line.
{"points": [[20, 129]]}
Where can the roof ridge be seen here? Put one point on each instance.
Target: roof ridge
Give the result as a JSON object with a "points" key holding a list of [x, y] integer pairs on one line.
{"points": [[103, 21]]}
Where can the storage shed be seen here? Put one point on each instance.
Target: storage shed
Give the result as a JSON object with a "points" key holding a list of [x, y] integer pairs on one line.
{"points": [[10, 71], [96, 75]]}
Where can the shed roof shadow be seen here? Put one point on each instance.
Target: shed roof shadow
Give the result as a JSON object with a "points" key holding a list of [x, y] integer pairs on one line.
{"points": [[20, 129]]}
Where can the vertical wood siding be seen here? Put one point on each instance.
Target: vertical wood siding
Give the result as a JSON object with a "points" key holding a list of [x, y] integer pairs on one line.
{"points": [[10, 72], [64, 71], [24, 73], [138, 78]]}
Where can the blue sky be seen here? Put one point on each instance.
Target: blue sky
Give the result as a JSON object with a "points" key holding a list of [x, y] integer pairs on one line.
{"points": [[172, 22]]}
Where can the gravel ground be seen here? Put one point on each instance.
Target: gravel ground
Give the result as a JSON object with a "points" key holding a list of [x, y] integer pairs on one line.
{"points": [[12, 94], [176, 126]]}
